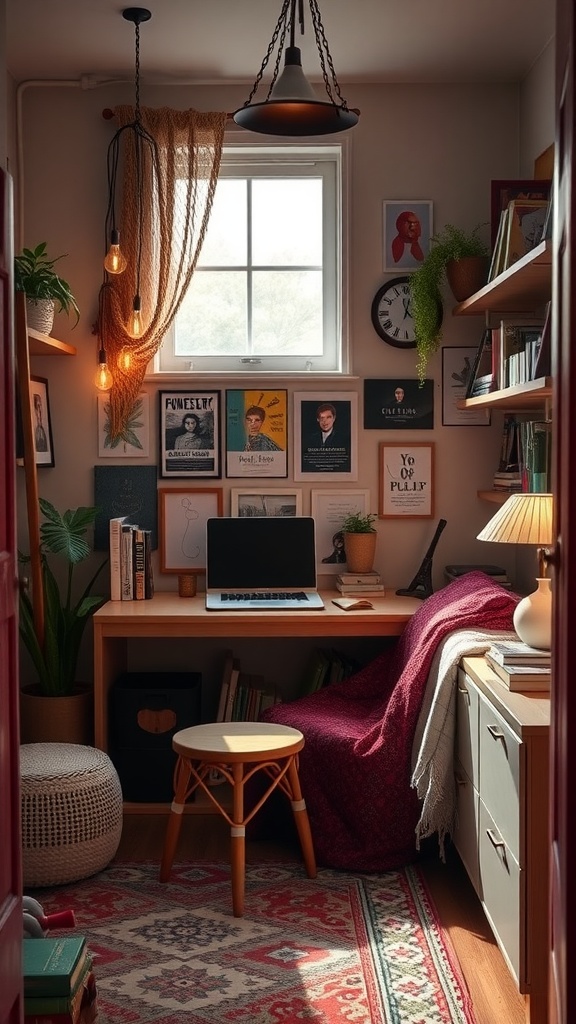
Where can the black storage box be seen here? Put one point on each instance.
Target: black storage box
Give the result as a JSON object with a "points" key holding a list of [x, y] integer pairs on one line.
{"points": [[145, 710]]}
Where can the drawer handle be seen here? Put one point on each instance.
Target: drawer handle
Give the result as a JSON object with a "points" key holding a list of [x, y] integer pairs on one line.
{"points": [[496, 732], [494, 839]]}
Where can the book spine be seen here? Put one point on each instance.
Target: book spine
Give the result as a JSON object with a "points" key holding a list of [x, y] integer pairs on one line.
{"points": [[139, 565], [148, 571], [127, 563], [232, 687], [115, 570]]}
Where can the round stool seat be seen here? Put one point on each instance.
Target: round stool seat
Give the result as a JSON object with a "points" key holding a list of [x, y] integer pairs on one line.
{"points": [[237, 741], [71, 803]]}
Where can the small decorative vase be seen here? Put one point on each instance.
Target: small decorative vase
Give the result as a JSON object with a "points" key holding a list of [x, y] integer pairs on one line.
{"points": [[533, 617], [360, 549], [67, 719], [467, 276], [187, 585], [40, 314]]}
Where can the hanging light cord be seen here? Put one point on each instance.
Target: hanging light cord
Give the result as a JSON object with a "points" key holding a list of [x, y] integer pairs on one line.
{"points": [[324, 52]]}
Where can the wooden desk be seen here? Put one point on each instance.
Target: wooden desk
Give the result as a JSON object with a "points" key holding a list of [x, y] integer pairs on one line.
{"points": [[168, 615]]}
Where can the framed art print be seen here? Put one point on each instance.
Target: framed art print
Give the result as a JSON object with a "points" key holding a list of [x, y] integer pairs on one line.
{"points": [[326, 436], [329, 509], [182, 516], [406, 233], [41, 422], [257, 433], [190, 434], [406, 481], [133, 441], [457, 368], [265, 502], [398, 404]]}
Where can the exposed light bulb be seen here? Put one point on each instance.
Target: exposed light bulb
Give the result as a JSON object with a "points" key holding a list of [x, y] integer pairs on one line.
{"points": [[115, 261], [103, 379], [136, 325], [125, 359]]}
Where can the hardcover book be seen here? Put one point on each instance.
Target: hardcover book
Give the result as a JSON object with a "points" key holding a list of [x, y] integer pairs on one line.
{"points": [[52, 966], [522, 678]]}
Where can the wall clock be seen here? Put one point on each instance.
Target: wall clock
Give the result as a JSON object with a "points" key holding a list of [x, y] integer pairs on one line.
{"points": [[392, 316]]}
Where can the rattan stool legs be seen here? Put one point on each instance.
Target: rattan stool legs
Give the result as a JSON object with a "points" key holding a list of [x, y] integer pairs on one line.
{"points": [[238, 750]]}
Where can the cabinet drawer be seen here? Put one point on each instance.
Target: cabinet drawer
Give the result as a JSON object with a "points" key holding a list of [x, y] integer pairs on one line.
{"points": [[500, 781], [501, 890], [467, 825], [467, 727]]}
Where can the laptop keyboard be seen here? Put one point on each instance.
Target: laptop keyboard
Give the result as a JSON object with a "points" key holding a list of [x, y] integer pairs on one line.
{"points": [[271, 595]]}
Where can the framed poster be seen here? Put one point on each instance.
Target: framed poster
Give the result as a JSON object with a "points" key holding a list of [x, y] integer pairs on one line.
{"points": [[182, 516], [189, 434], [326, 436], [42, 424], [457, 367], [329, 509], [257, 433], [398, 404], [125, 491], [406, 233], [406, 481], [133, 441], [503, 191], [265, 501]]}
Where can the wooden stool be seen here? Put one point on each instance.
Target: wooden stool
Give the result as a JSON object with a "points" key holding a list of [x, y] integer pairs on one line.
{"points": [[237, 750]]}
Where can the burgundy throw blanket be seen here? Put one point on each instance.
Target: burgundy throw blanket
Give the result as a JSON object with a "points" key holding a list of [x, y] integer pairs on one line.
{"points": [[355, 766]]}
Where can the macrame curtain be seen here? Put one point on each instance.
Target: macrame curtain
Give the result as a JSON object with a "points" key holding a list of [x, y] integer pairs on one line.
{"points": [[177, 193]]}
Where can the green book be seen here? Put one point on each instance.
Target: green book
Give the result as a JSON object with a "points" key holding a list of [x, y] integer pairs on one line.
{"points": [[53, 966], [71, 1004]]}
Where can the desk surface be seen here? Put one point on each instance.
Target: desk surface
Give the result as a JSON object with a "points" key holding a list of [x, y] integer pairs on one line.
{"points": [[167, 614]]}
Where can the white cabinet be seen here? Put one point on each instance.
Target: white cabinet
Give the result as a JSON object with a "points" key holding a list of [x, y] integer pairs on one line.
{"points": [[502, 832]]}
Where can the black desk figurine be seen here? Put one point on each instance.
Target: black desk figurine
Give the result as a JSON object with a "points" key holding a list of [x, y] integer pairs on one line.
{"points": [[421, 585]]}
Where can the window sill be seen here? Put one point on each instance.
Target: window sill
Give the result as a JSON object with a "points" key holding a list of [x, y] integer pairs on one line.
{"points": [[193, 376]]}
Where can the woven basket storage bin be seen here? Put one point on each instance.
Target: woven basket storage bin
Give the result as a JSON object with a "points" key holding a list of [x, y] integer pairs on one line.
{"points": [[71, 812]]}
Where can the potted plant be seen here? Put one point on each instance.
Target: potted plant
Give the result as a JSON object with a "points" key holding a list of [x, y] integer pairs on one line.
{"points": [[46, 292], [65, 619], [462, 257], [359, 541]]}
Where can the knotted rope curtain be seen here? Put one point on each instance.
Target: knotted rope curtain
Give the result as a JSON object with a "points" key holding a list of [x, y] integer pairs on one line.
{"points": [[178, 182]]}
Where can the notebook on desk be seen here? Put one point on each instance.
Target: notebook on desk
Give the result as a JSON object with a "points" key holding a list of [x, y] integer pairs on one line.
{"points": [[261, 563]]}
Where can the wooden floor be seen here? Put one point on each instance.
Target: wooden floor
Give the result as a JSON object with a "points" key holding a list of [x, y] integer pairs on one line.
{"points": [[492, 989]]}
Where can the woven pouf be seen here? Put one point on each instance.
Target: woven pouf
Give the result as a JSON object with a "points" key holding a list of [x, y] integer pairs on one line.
{"points": [[71, 812]]}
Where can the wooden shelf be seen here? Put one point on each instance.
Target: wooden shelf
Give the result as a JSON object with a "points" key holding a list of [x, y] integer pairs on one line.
{"points": [[526, 285], [43, 345], [497, 497], [521, 398]]}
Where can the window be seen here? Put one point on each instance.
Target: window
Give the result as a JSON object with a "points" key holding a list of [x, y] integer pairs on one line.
{"points": [[266, 295]]}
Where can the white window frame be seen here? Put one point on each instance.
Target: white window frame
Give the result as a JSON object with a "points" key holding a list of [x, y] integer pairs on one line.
{"points": [[333, 158]]}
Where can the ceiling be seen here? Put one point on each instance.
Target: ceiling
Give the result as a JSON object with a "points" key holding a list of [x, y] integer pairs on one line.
{"points": [[207, 41]]}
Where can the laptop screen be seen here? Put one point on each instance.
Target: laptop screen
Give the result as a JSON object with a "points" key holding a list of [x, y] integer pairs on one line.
{"points": [[276, 553]]}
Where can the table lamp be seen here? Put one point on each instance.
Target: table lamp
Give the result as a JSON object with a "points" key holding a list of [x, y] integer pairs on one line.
{"points": [[527, 519]]}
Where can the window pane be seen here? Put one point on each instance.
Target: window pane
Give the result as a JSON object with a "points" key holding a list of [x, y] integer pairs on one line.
{"points": [[212, 317], [226, 238], [287, 222], [287, 312]]}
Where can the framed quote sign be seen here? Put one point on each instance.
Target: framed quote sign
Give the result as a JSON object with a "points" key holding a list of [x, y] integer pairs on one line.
{"points": [[406, 481]]}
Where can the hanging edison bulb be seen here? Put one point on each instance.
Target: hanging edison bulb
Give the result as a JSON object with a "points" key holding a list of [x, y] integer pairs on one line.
{"points": [[135, 325], [125, 360], [115, 261], [103, 379]]}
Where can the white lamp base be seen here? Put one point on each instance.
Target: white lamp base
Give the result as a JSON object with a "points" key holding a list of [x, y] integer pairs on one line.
{"points": [[533, 617]]}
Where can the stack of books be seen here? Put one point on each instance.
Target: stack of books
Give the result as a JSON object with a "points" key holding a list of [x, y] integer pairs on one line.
{"points": [[131, 576], [59, 985], [360, 583], [243, 696], [520, 667], [326, 666]]}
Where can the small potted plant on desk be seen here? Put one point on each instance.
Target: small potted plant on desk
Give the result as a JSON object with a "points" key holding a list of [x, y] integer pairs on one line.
{"points": [[46, 293], [58, 708], [359, 541]]}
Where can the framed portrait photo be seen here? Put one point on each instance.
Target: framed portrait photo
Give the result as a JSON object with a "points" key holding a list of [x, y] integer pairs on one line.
{"points": [[133, 441], [265, 502], [398, 404], [182, 516], [41, 422], [326, 436], [329, 509], [257, 432], [406, 481], [457, 368], [189, 434], [406, 233]]}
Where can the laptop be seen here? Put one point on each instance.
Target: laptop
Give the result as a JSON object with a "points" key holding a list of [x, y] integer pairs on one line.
{"points": [[266, 563]]}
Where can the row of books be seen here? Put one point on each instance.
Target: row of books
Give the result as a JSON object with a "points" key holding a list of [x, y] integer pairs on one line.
{"points": [[59, 983], [523, 225], [243, 696], [326, 666], [360, 583], [525, 456], [509, 354], [519, 666], [131, 575]]}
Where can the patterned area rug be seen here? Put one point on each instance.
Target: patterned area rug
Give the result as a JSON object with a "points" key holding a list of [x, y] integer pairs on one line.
{"points": [[340, 949]]}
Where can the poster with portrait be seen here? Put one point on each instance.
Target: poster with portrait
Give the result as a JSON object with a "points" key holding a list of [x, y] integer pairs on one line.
{"points": [[189, 433], [256, 432], [326, 436], [406, 233], [42, 424], [398, 404]]}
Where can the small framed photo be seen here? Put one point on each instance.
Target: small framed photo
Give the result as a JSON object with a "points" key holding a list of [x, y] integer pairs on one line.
{"points": [[457, 367], [42, 422], [326, 436], [265, 502], [329, 509], [190, 434], [133, 441], [406, 233], [182, 516], [503, 191], [406, 481], [398, 404], [257, 433]]}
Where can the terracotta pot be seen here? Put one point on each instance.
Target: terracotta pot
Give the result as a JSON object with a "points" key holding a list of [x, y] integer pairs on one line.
{"points": [[57, 719], [467, 276], [360, 549]]}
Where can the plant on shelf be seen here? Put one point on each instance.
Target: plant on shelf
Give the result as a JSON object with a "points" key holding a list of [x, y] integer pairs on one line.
{"points": [[359, 541], [65, 617], [448, 247], [34, 275]]}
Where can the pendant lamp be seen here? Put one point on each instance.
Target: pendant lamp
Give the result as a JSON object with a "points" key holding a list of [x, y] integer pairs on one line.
{"points": [[292, 107]]}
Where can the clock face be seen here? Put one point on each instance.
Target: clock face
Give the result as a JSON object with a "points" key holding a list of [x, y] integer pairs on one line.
{"points": [[392, 314]]}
